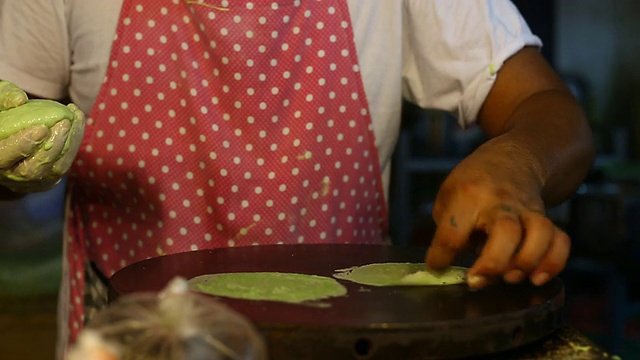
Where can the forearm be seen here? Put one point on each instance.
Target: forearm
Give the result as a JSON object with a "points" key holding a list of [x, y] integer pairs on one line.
{"points": [[540, 151], [551, 138], [531, 114]]}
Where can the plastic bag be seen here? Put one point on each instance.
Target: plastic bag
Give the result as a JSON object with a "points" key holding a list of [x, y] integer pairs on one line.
{"points": [[173, 325]]}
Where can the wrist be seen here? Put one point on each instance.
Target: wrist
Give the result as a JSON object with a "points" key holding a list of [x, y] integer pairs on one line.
{"points": [[513, 168]]}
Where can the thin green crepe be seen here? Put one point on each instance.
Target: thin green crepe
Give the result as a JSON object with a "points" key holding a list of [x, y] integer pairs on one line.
{"points": [[401, 274], [269, 286], [33, 112]]}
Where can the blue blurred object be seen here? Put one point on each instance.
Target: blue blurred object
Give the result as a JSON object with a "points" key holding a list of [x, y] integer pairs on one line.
{"points": [[31, 243]]}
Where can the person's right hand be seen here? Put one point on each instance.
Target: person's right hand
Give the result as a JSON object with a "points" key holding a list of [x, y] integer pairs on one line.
{"points": [[38, 140]]}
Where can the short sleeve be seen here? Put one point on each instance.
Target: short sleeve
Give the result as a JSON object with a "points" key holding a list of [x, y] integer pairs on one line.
{"points": [[452, 50], [34, 47]]}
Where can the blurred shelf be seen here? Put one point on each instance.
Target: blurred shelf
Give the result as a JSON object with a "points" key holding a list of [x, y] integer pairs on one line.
{"points": [[431, 165]]}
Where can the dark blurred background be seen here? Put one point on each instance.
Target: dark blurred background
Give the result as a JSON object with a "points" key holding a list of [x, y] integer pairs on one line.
{"points": [[593, 44]]}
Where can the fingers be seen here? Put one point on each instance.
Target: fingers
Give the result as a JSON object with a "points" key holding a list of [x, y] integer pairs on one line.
{"points": [[504, 232], [11, 96], [554, 260], [451, 236], [35, 158], [543, 253], [77, 113], [38, 166], [21, 145], [520, 246], [72, 144], [540, 232]]}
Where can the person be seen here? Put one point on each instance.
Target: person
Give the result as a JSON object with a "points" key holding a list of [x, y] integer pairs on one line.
{"points": [[214, 123]]}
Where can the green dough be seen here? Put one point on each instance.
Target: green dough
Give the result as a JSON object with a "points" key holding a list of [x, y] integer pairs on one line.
{"points": [[270, 286], [401, 274], [33, 112]]}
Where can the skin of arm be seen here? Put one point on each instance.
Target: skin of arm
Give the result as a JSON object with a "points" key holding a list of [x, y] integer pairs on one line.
{"points": [[540, 150]]}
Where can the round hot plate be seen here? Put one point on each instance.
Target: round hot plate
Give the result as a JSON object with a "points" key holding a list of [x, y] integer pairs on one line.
{"points": [[370, 322]]}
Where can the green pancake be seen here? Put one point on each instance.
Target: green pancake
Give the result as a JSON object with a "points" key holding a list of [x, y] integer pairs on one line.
{"points": [[401, 274], [269, 286]]}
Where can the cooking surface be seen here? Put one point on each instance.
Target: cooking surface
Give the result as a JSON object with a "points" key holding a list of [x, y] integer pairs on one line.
{"points": [[439, 320]]}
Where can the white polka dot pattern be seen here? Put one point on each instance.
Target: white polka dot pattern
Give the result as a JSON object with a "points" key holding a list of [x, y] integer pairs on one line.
{"points": [[226, 124]]}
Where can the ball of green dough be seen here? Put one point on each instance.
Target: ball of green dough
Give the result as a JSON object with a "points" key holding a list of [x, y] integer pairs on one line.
{"points": [[33, 112]]}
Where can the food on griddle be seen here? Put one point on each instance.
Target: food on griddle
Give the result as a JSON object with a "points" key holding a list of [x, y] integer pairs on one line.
{"points": [[401, 274], [269, 286]]}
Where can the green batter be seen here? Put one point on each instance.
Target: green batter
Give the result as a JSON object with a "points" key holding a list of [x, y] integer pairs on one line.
{"points": [[33, 112], [401, 274], [270, 286]]}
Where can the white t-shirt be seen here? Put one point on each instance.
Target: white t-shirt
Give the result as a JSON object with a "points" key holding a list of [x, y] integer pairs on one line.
{"points": [[437, 54]]}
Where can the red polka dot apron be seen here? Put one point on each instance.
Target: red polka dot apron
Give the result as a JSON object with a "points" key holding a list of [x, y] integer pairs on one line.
{"points": [[224, 123]]}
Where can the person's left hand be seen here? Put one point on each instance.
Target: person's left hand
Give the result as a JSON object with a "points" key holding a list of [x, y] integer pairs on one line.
{"points": [[492, 193], [39, 140]]}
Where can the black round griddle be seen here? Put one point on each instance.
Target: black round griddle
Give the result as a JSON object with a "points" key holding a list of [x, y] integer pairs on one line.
{"points": [[370, 322]]}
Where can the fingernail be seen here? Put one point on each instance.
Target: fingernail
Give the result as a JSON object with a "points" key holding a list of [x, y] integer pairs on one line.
{"points": [[539, 279], [514, 276], [476, 281]]}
